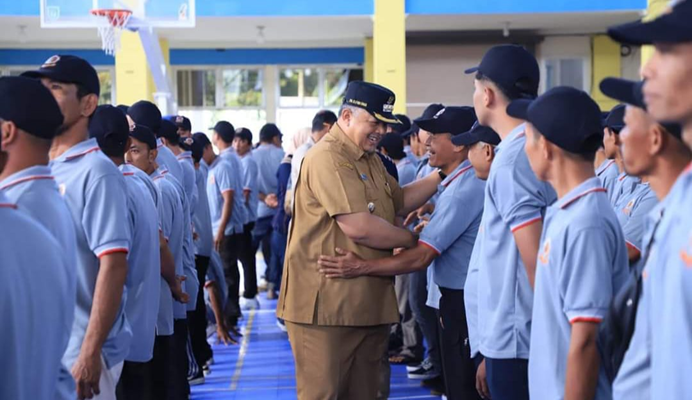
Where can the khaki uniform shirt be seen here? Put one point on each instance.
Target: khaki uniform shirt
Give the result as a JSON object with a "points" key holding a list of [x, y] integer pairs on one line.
{"points": [[337, 178]]}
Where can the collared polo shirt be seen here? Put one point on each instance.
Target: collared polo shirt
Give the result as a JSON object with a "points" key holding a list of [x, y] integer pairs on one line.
{"points": [[236, 170], [189, 180], [624, 186], [202, 217], [608, 173], [250, 175], [169, 161], [632, 211], [407, 172], [268, 158], [222, 179]]}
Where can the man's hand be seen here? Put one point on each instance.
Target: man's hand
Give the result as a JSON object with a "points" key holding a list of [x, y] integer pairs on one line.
{"points": [[271, 200], [420, 213], [87, 373], [222, 335], [481, 382], [423, 223], [347, 265], [195, 236], [218, 242], [177, 291]]}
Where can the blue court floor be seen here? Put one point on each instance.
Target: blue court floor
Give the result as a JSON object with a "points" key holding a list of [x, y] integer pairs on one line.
{"points": [[261, 366]]}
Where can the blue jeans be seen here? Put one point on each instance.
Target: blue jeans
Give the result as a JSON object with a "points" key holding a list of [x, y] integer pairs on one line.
{"points": [[275, 268]]}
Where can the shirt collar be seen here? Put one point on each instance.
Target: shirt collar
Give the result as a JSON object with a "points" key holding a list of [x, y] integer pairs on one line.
{"points": [[591, 185], [458, 171], [37, 172], [185, 155], [79, 150], [517, 132], [157, 174], [227, 150], [5, 202], [347, 144], [159, 143], [216, 161]]}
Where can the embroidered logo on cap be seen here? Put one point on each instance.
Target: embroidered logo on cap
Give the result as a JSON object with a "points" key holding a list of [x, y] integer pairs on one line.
{"points": [[442, 111], [51, 62], [179, 119], [188, 141]]}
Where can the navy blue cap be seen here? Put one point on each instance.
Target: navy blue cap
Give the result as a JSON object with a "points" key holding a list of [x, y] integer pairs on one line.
{"points": [[269, 132], [403, 125], [225, 130], [244, 133], [429, 112], [144, 135], [146, 113], [616, 118], [185, 143], [69, 69], [672, 27], [375, 99], [169, 131], [197, 146], [123, 108], [23, 99], [181, 122], [393, 143], [478, 133], [512, 68], [202, 138], [565, 116], [110, 128], [454, 120], [630, 92]]}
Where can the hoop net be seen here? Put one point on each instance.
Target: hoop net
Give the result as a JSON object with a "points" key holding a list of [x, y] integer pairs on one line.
{"points": [[113, 22]]}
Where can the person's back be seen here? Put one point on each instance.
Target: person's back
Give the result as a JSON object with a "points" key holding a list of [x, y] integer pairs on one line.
{"points": [[268, 158], [34, 291]]}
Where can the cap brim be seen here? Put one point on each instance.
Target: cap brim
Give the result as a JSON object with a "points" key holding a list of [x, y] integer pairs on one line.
{"points": [[623, 90], [386, 118], [664, 29], [465, 139], [431, 125], [471, 70], [519, 108]]}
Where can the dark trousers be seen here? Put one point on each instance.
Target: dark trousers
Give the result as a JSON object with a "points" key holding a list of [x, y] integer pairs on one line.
{"points": [[164, 378], [198, 318], [508, 379], [180, 359], [261, 236], [229, 257], [425, 316], [136, 381], [276, 271], [457, 365], [247, 258]]}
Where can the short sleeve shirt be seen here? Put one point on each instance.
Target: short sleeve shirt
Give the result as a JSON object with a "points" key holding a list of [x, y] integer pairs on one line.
{"points": [[624, 186], [35, 300], [471, 296], [407, 172], [221, 180], [582, 263], [236, 170], [514, 198], [144, 267], [249, 181], [268, 158], [188, 182], [95, 193], [337, 178], [608, 173], [202, 217], [168, 161], [452, 229], [632, 211]]}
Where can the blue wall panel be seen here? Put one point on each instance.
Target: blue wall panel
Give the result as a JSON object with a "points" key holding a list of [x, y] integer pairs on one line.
{"points": [[517, 6]]}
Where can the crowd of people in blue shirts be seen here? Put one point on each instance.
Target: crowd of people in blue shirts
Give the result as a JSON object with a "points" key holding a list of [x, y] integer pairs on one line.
{"points": [[555, 260]]}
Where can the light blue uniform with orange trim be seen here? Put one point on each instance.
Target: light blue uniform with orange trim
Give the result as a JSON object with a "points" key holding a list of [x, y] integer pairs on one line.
{"points": [[624, 186], [222, 179], [582, 263], [407, 172], [268, 158], [632, 211], [189, 179], [608, 172], [95, 193], [670, 298], [36, 302], [169, 161], [514, 198], [202, 218], [170, 212], [250, 176], [453, 227], [471, 295], [189, 186], [236, 172], [144, 267]]}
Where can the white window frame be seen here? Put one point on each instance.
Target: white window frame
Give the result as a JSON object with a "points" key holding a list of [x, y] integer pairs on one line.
{"points": [[219, 86], [586, 70], [321, 68]]}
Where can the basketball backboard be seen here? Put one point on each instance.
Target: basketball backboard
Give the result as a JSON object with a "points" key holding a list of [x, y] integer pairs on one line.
{"points": [[146, 13]]}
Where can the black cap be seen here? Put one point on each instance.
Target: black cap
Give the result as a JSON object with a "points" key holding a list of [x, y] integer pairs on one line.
{"points": [[202, 139], [185, 143], [169, 131], [454, 120], [110, 128], [146, 113], [123, 108], [393, 143], [180, 122], [225, 130], [375, 99], [144, 135], [672, 27], [23, 99], [403, 125], [197, 146], [478, 133], [428, 113], [616, 118], [244, 133], [512, 68], [630, 92], [69, 69], [566, 116], [269, 132]]}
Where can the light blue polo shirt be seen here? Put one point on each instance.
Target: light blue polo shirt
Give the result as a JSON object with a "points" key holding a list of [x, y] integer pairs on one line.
{"points": [[407, 172], [514, 198], [608, 173], [250, 176], [170, 213], [221, 179], [144, 267], [410, 156], [582, 263], [168, 161], [268, 158], [189, 179], [632, 211], [202, 217], [453, 227], [215, 273], [95, 193], [670, 301], [471, 295], [232, 158], [624, 186], [146, 180], [633, 381], [36, 302]]}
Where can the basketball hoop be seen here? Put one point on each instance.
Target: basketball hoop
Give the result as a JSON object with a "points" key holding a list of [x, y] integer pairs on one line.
{"points": [[112, 23]]}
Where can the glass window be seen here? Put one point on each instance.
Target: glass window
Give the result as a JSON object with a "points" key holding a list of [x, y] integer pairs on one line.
{"points": [[106, 82], [196, 88], [242, 87], [335, 82], [565, 72], [300, 87]]}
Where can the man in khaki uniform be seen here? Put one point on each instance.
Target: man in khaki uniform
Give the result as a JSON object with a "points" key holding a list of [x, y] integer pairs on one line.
{"points": [[345, 200]]}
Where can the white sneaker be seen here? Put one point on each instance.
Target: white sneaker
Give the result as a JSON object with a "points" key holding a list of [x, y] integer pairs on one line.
{"points": [[249, 304]]}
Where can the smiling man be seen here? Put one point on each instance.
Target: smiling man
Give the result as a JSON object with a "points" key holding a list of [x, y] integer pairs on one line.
{"points": [[345, 199]]}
